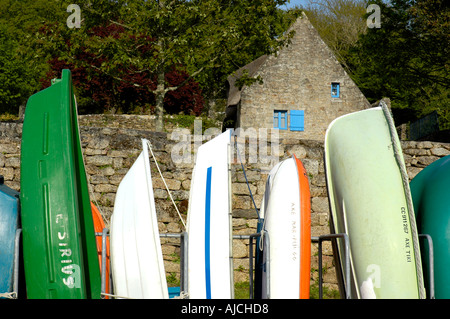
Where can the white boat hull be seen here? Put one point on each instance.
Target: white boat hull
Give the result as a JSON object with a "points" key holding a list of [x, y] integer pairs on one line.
{"points": [[210, 271], [136, 256], [287, 221]]}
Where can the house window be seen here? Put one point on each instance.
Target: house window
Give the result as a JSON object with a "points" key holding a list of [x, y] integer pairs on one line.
{"points": [[335, 89], [297, 120], [280, 120]]}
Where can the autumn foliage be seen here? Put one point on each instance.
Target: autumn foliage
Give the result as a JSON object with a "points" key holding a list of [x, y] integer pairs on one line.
{"points": [[131, 89]]}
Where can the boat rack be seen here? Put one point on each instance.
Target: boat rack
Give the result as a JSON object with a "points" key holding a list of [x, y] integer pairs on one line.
{"points": [[266, 241], [183, 261]]}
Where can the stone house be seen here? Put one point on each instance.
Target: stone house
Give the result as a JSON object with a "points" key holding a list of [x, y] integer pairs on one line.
{"points": [[304, 88]]}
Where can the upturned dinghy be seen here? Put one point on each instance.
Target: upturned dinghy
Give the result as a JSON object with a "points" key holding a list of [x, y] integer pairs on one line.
{"points": [[9, 227], [210, 263], [430, 194], [136, 255], [60, 254], [286, 210], [99, 227], [370, 201]]}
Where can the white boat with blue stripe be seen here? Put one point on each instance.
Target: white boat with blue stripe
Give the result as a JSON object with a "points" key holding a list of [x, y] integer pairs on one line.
{"points": [[210, 263]]}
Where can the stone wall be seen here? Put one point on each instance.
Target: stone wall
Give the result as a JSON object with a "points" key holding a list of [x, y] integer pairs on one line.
{"points": [[110, 152]]}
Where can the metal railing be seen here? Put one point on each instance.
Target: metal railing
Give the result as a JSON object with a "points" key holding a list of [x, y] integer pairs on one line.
{"points": [[266, 243]]}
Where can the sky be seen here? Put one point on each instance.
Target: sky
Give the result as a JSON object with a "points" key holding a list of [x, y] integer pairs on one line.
{"points": [[293, 3]]}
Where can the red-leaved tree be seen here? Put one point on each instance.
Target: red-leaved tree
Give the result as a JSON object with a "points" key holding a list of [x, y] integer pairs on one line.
{"points": [[130, 91]]}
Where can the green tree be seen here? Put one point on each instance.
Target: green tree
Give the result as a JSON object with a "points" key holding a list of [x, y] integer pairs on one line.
{"points": [[13, 74], [339, 23], [407, 59], [206, 38], [22, 63]]}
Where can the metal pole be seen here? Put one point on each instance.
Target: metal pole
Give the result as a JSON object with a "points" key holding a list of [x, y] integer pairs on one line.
{"points": [[104, 253], [431, 262], [183, 262], [347, 262], [16, 262], [251, 262], [183, 257], [267, 261], [230, 223]]}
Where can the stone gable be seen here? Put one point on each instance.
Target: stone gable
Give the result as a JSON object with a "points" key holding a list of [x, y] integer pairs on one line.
{"points": [[299, 77]]}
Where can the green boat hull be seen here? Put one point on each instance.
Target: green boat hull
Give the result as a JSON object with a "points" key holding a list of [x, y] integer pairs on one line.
{"points": [[59, 248], [369, 202], [430, 193]]}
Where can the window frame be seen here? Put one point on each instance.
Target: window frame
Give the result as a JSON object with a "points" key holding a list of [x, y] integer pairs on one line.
{"points": [[338, 87], [277, 115]]}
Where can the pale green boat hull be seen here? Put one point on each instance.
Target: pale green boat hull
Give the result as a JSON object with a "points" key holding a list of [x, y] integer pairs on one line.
{"points": [[369, 202]]}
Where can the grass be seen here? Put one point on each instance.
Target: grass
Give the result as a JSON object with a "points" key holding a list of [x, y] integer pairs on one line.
{"points": [[172, 280], [326, 292], [187, 121], [7, 117], [241, 290]]}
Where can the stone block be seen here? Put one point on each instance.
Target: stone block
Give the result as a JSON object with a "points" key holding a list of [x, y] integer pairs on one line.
{"points": [[107, 171], [174, 227], [172, 184], [242, 189], [311, 166], [98, 143], [7, 172], [98, 179], [252, 176], [99, 160], [426, 160], [299, 151], [413, 171], [13, 162], [117, 153], [160, 193], [186, 184], [440, 151], [105, 188], [171, 267], [117, 162], [115, 179], [416, 151], [240, 250], [93, 151], [10, 149], [180, 194], [320, 204], [241, 202]]}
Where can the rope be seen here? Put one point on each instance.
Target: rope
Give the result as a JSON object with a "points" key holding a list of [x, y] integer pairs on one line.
{"points": [[400, 162], [168, 191], [183, 295], [245, 175], [9, 295], [261, 238], [114, 296]]}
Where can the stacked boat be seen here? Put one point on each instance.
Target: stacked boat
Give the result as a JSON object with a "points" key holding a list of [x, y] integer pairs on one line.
{"points": [[370, 201], [57, 228]]}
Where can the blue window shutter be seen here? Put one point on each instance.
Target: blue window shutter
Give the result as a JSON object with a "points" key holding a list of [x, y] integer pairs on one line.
{"points": [[297, 118]]}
